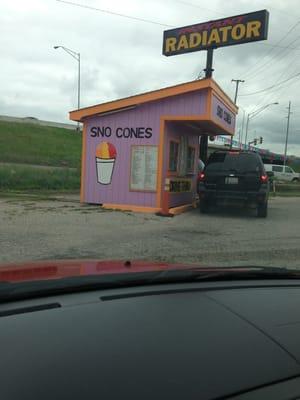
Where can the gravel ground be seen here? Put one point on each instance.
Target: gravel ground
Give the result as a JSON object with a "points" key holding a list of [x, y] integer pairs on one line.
{"points": [[62, 229]]}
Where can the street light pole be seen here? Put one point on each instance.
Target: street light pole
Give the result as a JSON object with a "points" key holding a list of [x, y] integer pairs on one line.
{"points": [[78, 102], [254, 114], [247, 126], [77, 58], [237, 82], [287, 134]]}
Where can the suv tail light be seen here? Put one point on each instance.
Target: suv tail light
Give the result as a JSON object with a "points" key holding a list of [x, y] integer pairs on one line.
{"points": [[201, 177], [264, 178]]}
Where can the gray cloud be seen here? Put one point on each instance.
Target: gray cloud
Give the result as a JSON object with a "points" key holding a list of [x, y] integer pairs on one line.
{"points": [[121, 57]]}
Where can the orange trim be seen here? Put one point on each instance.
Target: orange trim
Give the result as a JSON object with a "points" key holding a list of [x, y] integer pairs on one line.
{"points": [[130, 207], [78, 115], [172, 174], [217, 95], [224, 97], [160, 161], [209, 104], [219, 126], [83, 164], [203, 117], [180, 209]]}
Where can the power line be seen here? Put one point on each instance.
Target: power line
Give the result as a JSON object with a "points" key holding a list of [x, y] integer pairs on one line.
{"points": [[287, 132], [281, 69], [270, 96], [148, 21], [280, 47], [270, 87], [271, 60], [196, 6], [254, 71]]}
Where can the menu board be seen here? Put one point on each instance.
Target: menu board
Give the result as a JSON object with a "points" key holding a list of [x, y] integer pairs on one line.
{"points": [[143, 175]]}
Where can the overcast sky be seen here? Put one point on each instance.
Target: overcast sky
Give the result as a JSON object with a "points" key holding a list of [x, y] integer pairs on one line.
{"points": [[122, 56]]}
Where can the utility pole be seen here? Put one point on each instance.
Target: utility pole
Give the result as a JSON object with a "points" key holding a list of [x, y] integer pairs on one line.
{"points": [[237, 82], [76, 56], [242, 133], [287, 133], [208, 74], [254, 114]]}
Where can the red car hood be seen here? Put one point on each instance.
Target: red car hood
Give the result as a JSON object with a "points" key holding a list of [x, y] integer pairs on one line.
{"points": [[46, 270]]}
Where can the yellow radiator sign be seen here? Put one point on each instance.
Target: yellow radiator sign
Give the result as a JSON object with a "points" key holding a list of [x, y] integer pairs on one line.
{"points": [[219, 33]]}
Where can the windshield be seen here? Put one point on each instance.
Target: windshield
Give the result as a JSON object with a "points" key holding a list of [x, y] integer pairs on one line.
{"points": [[233, 162], [148, 131]]}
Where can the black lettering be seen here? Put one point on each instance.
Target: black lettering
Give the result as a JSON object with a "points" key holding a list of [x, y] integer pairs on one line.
{"points": [[108, 131], [101, 131], [141, 133], [126, 133], [180, 186], [227, 117], [148, 133], [133, 132], [220, 112], [94, 131], [117, 132]]}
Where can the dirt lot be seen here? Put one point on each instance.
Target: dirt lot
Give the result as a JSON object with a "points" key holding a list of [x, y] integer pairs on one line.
{"points": [[44, 229]]}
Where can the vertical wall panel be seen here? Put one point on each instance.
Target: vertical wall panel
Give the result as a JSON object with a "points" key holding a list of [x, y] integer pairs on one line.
{"points": [[146, 115]]}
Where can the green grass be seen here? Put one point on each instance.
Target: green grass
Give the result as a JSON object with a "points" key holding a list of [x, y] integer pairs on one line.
{"points": [[295, 166], [287, 187], [22, 178], [285, 194], [42, 145]]}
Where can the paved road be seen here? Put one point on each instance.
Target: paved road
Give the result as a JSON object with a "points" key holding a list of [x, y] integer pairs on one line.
{"points": [[33, 230]]}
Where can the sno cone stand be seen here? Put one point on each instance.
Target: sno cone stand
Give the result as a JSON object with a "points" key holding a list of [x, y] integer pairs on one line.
{"points": [[141, 153]]}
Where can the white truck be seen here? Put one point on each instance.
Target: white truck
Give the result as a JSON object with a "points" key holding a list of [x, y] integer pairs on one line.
{"points": [[282, 173]]}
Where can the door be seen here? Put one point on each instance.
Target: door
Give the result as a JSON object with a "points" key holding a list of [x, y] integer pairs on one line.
{"points": [[278, 171], [288, 174]]}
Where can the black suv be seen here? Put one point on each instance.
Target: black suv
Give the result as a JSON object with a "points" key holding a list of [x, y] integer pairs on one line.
{"points": [[235, 177]]}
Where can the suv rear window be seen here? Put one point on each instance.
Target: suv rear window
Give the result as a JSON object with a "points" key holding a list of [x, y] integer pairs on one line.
{"points": [[236, 162]]}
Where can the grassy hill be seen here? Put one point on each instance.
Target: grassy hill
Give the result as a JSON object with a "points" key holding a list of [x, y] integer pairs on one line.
{"points": [[24, 147], [40, 145]]}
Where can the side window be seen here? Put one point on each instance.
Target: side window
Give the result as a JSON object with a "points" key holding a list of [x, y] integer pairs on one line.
{"points": [[276, 168], [190, 159], [288, 170], [173, 156]]}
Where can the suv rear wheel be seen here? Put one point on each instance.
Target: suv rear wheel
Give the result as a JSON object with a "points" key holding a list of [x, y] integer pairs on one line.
{"points": [[295, 180], [262, 210]]}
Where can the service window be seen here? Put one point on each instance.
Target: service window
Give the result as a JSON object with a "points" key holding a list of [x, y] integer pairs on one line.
{"points": [[276, 168], [173, 156], [190, 159], [288, 170]]}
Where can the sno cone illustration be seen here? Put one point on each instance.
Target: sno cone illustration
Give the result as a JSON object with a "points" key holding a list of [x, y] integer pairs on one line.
{"points": [[105, 161]]}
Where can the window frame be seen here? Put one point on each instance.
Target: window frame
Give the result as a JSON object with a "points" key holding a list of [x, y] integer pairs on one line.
{"points": [[277, 166]]}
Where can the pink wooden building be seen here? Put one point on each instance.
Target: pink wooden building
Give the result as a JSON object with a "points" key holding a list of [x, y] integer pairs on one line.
{"points": [[140, 153]]}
